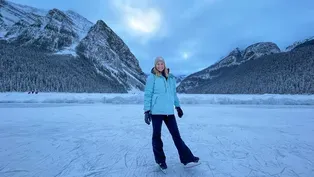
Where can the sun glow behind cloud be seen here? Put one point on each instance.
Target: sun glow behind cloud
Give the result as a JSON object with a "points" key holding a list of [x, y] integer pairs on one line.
{"points": [[144, 21], [139, 21], [185, 55]]}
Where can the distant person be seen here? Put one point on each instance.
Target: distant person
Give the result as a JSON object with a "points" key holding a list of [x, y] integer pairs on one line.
{"points": [[160, 98]]}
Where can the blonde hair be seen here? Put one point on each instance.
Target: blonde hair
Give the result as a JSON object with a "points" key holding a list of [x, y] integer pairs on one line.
{"points": [[165, 69]]}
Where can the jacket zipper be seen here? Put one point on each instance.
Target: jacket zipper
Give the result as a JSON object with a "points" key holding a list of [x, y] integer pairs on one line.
{"points": [[166, 86]]}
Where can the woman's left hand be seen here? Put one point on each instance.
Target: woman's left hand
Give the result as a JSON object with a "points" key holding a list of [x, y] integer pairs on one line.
{"points": [[148, 117]]}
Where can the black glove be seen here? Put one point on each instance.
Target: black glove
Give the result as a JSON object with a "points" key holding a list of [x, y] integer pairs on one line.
{"points": [[148, 117], [180, 112]]}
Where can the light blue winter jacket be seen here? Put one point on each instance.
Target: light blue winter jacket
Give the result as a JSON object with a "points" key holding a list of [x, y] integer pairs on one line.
{"points": [[160, 95]]}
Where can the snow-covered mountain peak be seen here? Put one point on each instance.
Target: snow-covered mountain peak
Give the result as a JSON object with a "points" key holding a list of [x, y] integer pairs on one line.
{"points": [[233, 58], [11, 13], [75, 14], [101, 24], [58, 15], [297, 43], [259, 49], [97, 34], [235, 51], [38, 22], [101, 27], [80, 22], [52, 30], [27, 9]]}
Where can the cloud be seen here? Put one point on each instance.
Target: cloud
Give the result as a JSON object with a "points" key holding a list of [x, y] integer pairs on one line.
{"points": [[197, 8], [143, 21], [138, 20]]}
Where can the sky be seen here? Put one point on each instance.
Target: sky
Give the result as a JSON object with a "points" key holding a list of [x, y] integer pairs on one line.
{"points": [[193, 34]]}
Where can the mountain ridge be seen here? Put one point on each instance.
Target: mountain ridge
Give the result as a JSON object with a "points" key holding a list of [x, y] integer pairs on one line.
{"points": [[214, 78]]}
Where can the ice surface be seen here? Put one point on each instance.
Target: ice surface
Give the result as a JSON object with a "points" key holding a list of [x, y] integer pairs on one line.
{"points": [[112, 140]]}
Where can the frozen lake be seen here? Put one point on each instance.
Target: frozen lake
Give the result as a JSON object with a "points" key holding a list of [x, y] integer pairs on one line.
{"points": [[113, 140]]}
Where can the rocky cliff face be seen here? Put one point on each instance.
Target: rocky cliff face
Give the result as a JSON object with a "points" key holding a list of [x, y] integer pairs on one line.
{"points": [[111, 56]]}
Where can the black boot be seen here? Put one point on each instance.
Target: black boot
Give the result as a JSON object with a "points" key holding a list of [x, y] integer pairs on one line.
{"points": [[163, 165], [195, 160]]}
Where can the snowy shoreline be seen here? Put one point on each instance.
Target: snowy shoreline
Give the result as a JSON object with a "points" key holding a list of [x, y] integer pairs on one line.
{"points": [[138, 98]]}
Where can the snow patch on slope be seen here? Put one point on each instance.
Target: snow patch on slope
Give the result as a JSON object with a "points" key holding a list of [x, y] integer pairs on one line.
{"points": [[81, 24], [2, 34], [68, 51]]}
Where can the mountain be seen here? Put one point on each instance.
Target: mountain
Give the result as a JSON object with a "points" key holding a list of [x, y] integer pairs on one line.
{"points": [[67, 34], [51, 30], [234, 58], [179, 79], [260, 68]]}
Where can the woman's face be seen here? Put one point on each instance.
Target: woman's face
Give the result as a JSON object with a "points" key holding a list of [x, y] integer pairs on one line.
{"points": [[160, 66]]}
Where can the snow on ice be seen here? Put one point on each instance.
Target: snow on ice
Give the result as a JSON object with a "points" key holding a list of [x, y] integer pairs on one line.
{"points": [[137, 97]]}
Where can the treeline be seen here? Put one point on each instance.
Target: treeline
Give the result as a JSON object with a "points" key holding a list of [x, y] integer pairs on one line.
{"points": [[28, 69]]}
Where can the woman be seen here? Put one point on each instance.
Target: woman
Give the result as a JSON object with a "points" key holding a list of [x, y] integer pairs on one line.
{"points": [[160, 98]]}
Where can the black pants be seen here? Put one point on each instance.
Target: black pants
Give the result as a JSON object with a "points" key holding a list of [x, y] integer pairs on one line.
{"points": [[184, 152]]}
